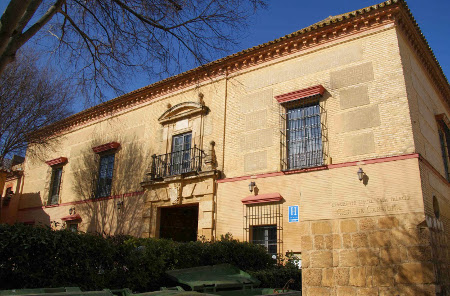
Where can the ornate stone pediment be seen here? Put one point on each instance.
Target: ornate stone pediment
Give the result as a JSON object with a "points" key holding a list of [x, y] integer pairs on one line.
{"points": [[182, 111]]}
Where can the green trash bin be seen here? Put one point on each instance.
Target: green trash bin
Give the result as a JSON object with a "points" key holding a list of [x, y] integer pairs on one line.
{"points": [[224, 280], [62, 291], [75, 291]]}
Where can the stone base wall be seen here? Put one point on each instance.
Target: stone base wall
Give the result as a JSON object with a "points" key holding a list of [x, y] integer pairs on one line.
{"points": [[384, 255]]}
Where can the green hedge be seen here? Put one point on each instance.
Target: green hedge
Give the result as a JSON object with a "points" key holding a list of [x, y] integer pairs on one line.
{"points": [[288, 277], [32, 257]]}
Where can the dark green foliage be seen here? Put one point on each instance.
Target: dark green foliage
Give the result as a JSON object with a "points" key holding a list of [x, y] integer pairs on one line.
{"points": [[34, 257], [278, 277]]}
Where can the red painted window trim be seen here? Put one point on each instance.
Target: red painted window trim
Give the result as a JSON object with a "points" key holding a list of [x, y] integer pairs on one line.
{"points": [[106, 147], [301, 94], [57, 161], [262, 198], [73, 217], [442, 119]]}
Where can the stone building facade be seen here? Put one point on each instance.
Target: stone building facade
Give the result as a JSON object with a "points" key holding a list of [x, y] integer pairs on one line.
{"points": [[331, 143]]}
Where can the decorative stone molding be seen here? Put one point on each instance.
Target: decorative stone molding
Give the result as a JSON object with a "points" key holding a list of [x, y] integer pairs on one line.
{"points": [[174, 192], [210, 159], [57, 161], [106, 147], [181, 111], [148, 182]]}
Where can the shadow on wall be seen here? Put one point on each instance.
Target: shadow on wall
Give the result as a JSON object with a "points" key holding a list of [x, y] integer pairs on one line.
{"points": [[35, 217], [121, 211], [393, 254]]}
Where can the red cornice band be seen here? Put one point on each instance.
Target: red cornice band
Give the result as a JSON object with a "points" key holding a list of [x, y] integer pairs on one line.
{"points": [[137, 193], [324, 167]]}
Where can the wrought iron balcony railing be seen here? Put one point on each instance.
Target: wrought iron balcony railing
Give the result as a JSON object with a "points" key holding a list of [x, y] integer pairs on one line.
{"points": [[176, 163]]}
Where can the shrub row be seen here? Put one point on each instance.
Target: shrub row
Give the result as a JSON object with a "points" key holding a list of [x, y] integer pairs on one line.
{"points": [[32, 257]]}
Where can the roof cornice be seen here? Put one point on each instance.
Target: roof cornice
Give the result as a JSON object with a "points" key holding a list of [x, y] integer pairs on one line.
{"points": [[411, 30], [328, 30]]}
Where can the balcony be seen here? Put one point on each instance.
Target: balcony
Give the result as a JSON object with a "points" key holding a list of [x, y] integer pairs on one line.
{"points": [[176, 163]]}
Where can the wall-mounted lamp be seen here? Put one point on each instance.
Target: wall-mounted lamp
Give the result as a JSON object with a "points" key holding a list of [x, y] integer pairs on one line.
{"points": [[360, 174], [251, 186], [119, 205], [72, 211]]}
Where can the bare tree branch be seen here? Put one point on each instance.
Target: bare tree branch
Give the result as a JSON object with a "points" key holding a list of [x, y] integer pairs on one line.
{"points": [[30, 98], [101, 41]]}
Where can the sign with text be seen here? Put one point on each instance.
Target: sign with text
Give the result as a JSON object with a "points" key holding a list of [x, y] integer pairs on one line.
{"points": [[293, 214]]}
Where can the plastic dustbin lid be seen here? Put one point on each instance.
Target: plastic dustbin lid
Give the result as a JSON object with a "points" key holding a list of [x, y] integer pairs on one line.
{"points": [[220, 276], [63, 291]]}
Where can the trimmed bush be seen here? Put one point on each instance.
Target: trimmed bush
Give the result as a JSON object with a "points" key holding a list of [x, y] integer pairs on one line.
{"points": [[279, 277], [32, 257]]}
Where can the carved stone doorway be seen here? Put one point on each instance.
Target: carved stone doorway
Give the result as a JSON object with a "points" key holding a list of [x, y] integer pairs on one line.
{"points": [[179, 223]]}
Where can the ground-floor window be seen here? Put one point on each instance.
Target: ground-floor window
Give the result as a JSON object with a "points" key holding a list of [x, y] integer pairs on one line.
{"points": [[72, 227], [263, 226], [265, 236]]}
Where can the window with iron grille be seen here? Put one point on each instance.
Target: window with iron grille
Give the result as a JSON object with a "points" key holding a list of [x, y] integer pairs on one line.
{"points": [[55, 186], [265, 236], [444, 137], [302, 135], [263, 226], [105, 175]]}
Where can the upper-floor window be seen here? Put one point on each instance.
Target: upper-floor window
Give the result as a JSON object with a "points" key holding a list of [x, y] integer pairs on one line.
{"points": [[444, 137], [54, 192], [8, 195], [180, 161], [106, 168], [302, 132], [304, 137], [105, 175], [55, 186]]}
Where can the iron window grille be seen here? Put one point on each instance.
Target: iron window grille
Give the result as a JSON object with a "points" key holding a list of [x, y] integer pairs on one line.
{"points": [[105, 175], [55, 187], [303, 134], [265, 236], [263, 226]]}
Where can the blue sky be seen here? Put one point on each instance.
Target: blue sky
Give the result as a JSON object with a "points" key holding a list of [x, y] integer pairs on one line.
{"points": [[286, 16]]}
